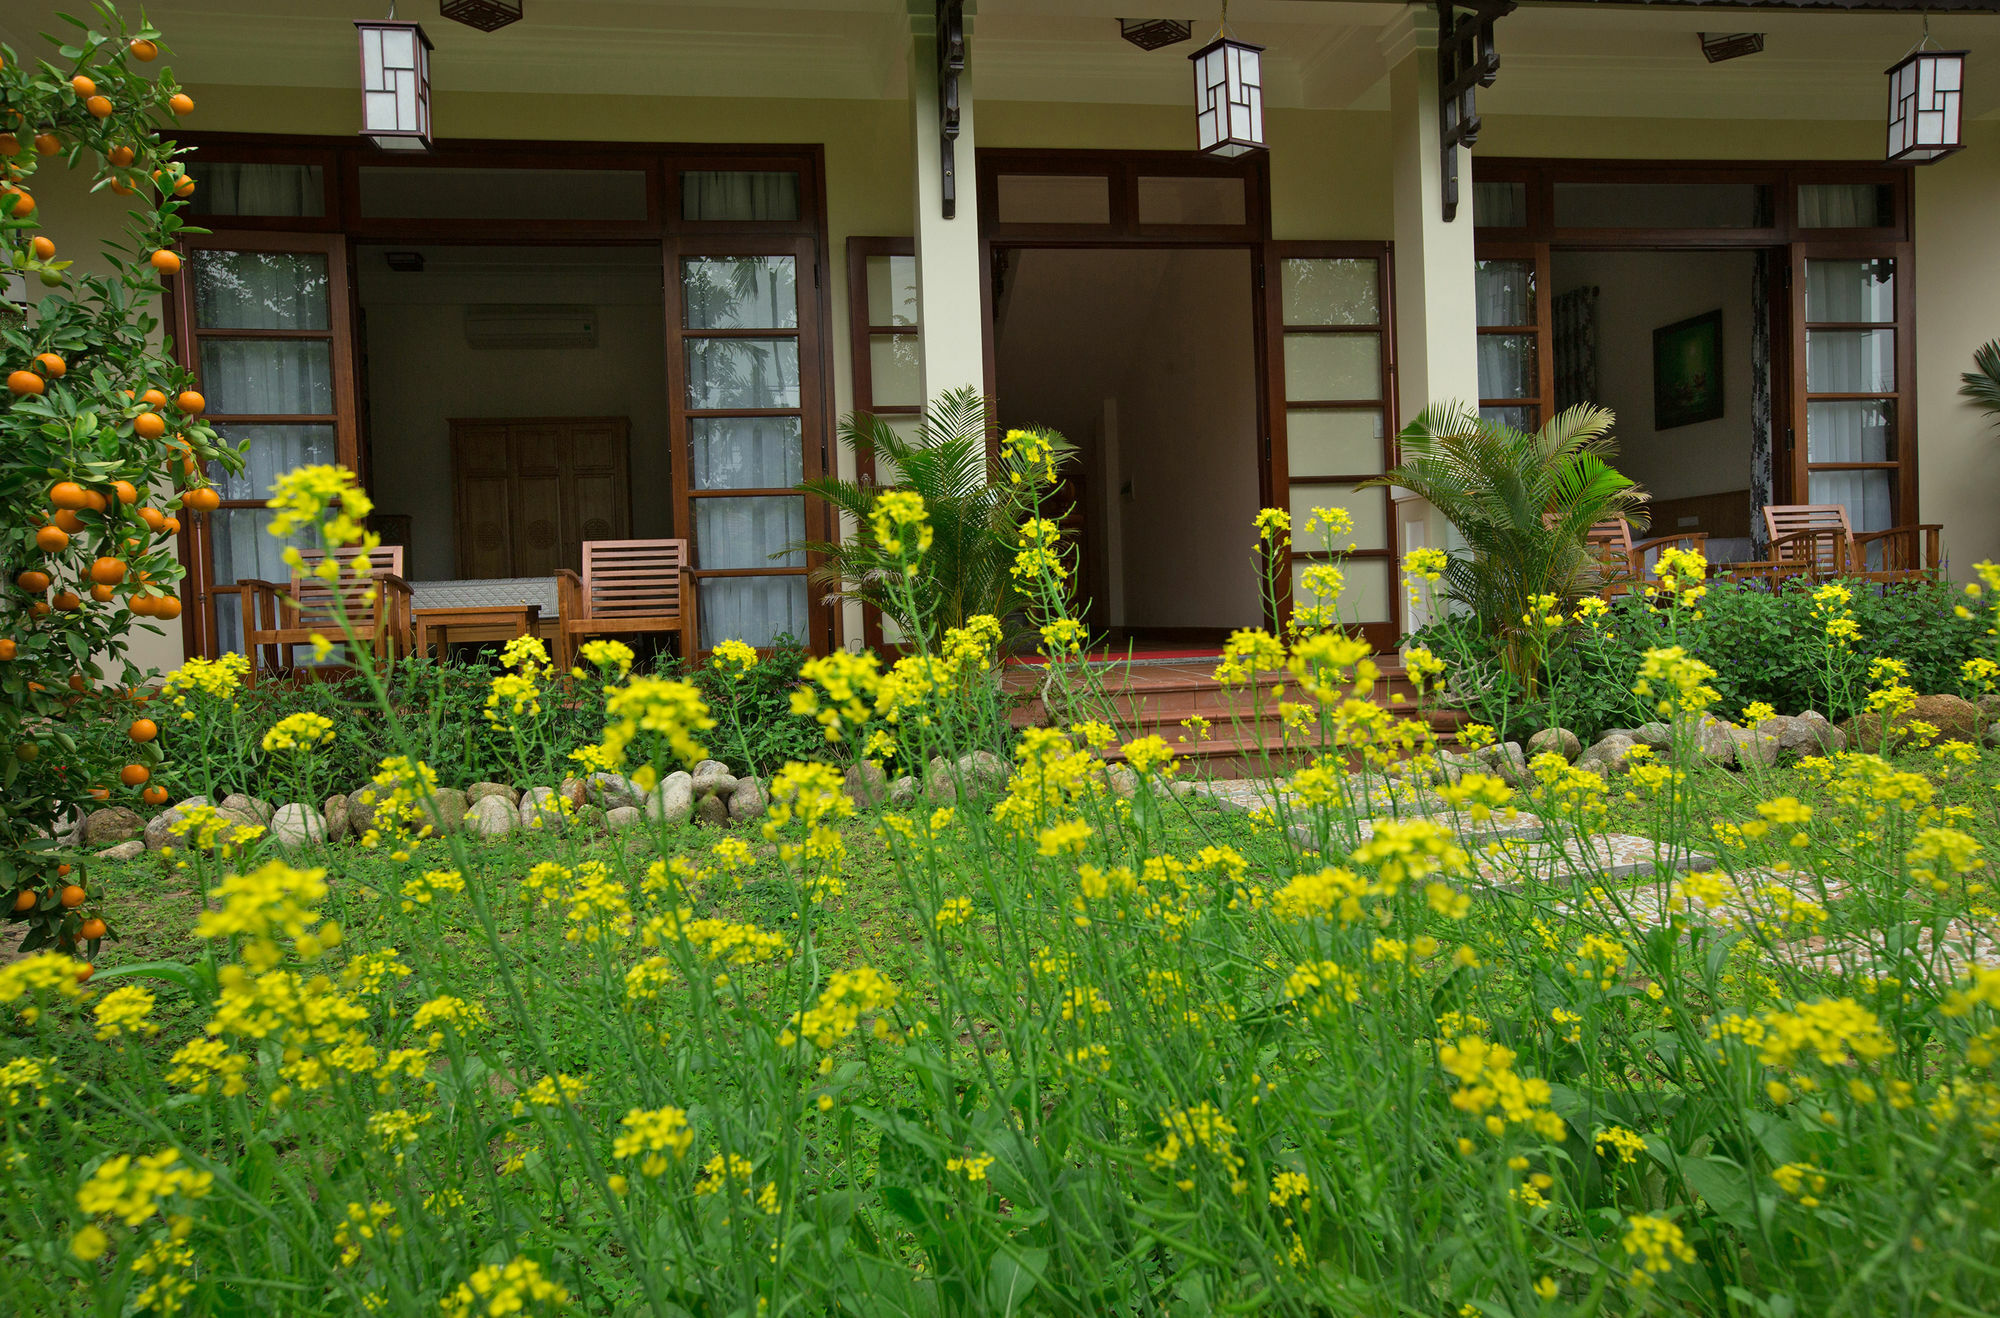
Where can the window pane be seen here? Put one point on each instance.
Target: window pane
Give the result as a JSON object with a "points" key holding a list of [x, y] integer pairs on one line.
{"points": [[1663, 206], [1191, 201], [1333, 443], [1364, 594], [895, 370], [1846, 206], [260, 290], [1052, 199], [272, 451], [1520, 418], [1867, 495], [430, 192], [1850, 361], [892, 290], [739, 194], [268, 377], [742, 373], [1369, 508], [740, 292], [1854, 431], [744, 533], [245, 551], [755, 610], [1499, 205], [1503, 292], [1331, 291], [744, 452], [1332, 367], [1851, 290], [1507, 366], [230, 188]]}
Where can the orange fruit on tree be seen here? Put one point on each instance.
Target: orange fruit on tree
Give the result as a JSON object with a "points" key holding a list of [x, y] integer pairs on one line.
{"points": [[166, 262], [154, 519], [45, 247], [184, 188], [143, 50], [122, 188], [168, 608], [73, 895], [153, 398], [29, 751], [154, 795], [149, 425], [173, 525], [202, 498], [25, 382], [84, 970], [127, 491], [102, 594], [181, 103], [52, 366], [23, 206], [68, 521], [68, 601], [93, 929], [83, 85], [9, 647], [121, 155], [99, 106], [34, 581], [142, 604], [52, 540], [94, 500], [25, 900], [107, 571], [190, 402], [62, 870], [134, 775], [67, 494], [143, 729], [46, 143], [10, 145], [38, 609]]}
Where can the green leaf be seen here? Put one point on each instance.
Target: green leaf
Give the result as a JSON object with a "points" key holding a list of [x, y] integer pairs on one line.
{"points": [[1012, 1276], [1724, 1187]]}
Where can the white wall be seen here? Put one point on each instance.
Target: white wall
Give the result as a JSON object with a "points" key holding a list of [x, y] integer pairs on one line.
{"points": [[1153, 351], [1638, 293], [421, 373]]}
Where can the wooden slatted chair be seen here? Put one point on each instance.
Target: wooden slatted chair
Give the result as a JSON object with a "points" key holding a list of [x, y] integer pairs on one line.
{"points": [[277, 619], [626, 587], [1624, 561]]}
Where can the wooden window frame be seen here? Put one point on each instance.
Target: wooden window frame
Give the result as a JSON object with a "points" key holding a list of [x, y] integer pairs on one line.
{"points": [[1277, 404], [1543, 400], [861, 334], [1122, 171], [342, 158]]}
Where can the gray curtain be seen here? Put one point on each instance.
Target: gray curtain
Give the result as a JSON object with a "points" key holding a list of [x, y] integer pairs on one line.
{"points": [[1573, 317], [1760, 400]]}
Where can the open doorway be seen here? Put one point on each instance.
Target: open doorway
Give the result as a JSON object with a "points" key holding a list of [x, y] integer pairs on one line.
{"points": [[1678, 345], [1145, 358]]}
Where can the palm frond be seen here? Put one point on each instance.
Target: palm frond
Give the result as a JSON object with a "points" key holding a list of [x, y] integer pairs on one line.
{"points": [[1982, 383]]}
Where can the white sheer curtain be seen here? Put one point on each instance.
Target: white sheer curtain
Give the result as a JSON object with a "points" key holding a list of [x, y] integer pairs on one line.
{"points": [[243, 549], [1860, 361], [757, 610], [229, 188], [744, 453], [1840, 205], [739, 194]]}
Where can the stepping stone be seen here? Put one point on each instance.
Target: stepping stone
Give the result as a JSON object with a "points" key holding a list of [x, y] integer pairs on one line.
{"points": [[1510, 864]]}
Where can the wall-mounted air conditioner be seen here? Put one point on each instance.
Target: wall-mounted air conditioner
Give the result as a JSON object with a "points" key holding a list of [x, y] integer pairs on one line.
{"points": [[530, 325]]}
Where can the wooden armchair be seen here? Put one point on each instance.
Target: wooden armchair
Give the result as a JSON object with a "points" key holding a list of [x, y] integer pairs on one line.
{"points": [[627, 586], [1623, 559], [1901, 553], [279, 618], [1816, 541]]}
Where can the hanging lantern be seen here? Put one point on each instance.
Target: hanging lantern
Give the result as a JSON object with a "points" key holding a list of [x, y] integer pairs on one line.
{"points": [[395, 85], [1926, 104], [1229, 96]]}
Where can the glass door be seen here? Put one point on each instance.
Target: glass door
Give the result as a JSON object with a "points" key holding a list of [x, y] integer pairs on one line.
{"points": [[745, 371], [1851, 309], [1333, 427], [264, 323], [1511, 306]]}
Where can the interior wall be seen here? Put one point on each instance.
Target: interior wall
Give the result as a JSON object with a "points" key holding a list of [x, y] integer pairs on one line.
{"points": [[421, 373], [1639, 292], [1146, 357]]}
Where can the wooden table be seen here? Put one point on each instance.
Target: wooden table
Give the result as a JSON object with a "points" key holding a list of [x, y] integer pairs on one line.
{"points": [[487, 622]]}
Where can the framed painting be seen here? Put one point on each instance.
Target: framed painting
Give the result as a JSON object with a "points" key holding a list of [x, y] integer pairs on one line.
{"points": [[1687, 371]]}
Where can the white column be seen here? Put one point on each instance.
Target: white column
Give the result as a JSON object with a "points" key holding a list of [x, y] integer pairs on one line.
{"points": [[1437, 357], [949, 314]]}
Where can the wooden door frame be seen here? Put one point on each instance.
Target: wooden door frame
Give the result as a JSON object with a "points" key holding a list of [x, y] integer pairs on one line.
{"points": [[195, 544]]}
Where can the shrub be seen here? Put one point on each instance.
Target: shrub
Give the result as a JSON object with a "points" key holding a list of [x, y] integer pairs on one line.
{"points": [[99, 430], [1767, 646]]}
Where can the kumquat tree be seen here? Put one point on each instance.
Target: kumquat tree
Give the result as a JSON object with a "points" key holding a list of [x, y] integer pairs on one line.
{"points": [[102, 446]]}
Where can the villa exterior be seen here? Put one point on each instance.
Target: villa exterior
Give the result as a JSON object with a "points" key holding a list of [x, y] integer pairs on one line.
{"points": [[657, 250]]}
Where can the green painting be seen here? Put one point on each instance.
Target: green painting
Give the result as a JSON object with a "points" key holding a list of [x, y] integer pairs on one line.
{"points": [[1687, 371]]}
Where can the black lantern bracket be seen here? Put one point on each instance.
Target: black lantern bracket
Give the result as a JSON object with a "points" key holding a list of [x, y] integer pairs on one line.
{"points": [[950, 64], [1467, 61]]}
